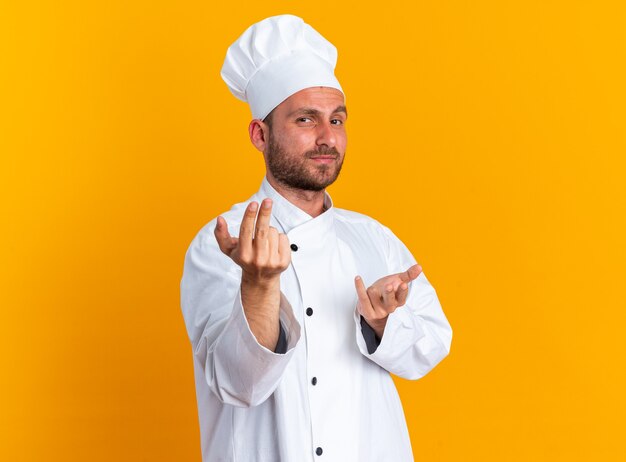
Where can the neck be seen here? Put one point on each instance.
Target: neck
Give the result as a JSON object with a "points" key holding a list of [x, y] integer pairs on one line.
{"points": [[311, 202]]}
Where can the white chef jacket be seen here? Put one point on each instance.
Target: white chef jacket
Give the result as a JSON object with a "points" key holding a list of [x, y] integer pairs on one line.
{"points": [[325, 398]]}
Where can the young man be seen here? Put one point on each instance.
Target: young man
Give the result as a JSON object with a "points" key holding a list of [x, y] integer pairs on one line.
{"points": [[298, 311]]}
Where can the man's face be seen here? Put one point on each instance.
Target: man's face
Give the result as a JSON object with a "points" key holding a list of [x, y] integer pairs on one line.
{"points": [[307, 139]]}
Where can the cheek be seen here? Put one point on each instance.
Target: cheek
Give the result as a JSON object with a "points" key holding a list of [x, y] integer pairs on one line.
{"points": [[342, 142], [299, 143], [303, 142]]}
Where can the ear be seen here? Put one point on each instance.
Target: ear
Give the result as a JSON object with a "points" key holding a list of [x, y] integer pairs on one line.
{"points": [[259, 132]]}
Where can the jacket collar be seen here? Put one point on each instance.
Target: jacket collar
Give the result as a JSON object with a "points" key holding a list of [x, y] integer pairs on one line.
{"points": [[289, 215]]}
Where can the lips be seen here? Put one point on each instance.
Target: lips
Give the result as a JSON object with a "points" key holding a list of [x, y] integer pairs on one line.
{"points": [[323, 154], [324, 159]]}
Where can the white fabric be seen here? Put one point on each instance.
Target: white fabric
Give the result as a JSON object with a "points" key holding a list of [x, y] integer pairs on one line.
{"points": [[259, 406], [275, 58]]}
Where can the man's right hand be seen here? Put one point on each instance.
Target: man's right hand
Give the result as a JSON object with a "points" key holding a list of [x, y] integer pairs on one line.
{"points": [[263, 254]]}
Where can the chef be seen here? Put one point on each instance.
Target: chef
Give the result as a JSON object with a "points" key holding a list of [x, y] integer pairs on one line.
{"points": [[297, 310]]}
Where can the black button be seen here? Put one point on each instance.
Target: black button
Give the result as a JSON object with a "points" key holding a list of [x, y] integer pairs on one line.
{"points": [[319, 451], [294, 247], [314, 380], [309, 311]]}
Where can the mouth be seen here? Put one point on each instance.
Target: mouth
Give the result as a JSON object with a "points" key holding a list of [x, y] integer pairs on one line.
{"points": [[324, 159]]}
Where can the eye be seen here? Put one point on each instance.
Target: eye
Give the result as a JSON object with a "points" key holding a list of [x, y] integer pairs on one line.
{"points": [[336, 122], [303, 119]]}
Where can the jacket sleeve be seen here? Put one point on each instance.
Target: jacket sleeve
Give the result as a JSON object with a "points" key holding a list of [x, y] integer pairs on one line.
{"points": [[417, 335], [238, 369]]}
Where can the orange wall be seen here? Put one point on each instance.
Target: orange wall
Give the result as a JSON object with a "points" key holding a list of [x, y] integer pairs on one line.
{"points": [[488, 135]]}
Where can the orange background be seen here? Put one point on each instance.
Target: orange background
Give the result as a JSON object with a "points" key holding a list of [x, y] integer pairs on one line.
{"points": [[489, 135]]}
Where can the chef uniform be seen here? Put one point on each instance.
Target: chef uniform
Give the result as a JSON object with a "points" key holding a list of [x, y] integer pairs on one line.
{"points": [[325, 392]]}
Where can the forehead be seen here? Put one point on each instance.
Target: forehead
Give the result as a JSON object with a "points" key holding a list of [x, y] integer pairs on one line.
{"points": [[324, 99]]}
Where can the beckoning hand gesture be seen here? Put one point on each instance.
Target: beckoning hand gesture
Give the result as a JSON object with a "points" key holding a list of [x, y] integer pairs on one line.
{"points": [[383, 297], [262, 252]]}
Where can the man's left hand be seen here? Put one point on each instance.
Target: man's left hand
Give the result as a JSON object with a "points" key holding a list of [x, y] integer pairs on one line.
{"points": [[383, 297]]}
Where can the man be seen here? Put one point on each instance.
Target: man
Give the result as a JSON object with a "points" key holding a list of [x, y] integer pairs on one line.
{"points": [[298, 311]]}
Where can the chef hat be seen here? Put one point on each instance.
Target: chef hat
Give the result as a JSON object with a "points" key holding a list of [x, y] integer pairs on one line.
{"points": [[275, 58]]}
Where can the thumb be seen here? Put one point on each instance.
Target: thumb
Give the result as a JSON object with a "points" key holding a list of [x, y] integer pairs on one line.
{"points": [[225, 241]]}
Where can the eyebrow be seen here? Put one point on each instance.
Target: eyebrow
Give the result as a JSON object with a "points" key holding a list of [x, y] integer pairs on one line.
{"points": [[315, 112]]}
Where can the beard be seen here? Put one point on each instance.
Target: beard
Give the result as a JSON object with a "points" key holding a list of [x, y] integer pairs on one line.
{"points": [[300, 172]]}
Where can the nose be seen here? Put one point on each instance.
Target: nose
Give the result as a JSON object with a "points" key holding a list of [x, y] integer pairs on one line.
{"points": [[326, 135]]}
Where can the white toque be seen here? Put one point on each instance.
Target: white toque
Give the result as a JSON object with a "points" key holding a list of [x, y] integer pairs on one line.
{"points": [[275, 58]]}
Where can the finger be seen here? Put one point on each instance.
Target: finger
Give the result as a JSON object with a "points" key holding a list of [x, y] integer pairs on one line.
{"points": [[365, 305], [224, 240], [402, 293], [272, 239], [284, 250], [263, 225], [376, 300], [246, 229], [389, 298], [410, 274]]}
